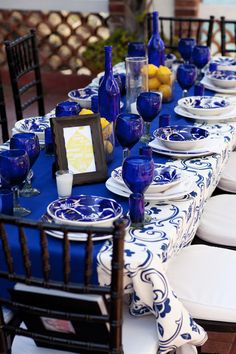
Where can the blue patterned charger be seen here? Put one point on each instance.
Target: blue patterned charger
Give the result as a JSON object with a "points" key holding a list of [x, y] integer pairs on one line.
{"points": [[35, 125], [83, 95], [223, 61], [182, 137], [205, 105], [165, 177], [85, 210], [222, 78]]}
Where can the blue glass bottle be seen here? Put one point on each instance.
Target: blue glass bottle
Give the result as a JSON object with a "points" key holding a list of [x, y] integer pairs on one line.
{"points": [[109, 92], [156, 47]]}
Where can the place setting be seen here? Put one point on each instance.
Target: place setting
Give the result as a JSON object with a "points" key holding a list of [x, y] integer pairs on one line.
{"points": [[206, 108], [222, 81]]}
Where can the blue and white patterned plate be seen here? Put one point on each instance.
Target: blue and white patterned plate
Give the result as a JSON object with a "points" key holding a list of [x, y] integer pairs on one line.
{"points": [[85, 210], [72, 236], [165, 177], [182, 137], [231, 114], [205, 105], [83, 95], [222, 78], [35, 125], [223, 61]]}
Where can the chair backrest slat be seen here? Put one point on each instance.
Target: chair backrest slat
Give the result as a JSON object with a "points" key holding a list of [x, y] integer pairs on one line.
{"points": [[3, 115], [22, 58], [37, 305], [228, 30]]}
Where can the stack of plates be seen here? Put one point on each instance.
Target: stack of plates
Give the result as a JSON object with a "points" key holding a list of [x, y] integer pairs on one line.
{"points": [[169, 183], [206, 108]]}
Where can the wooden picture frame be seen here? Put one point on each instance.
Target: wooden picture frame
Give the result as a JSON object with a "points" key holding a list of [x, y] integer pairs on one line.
{"points": [[79, 147]]}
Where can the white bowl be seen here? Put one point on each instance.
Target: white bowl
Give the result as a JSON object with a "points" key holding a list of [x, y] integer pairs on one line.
{"points": [[83, 96], [222, 78], [205, 105], [85, 210], [182, 137]]}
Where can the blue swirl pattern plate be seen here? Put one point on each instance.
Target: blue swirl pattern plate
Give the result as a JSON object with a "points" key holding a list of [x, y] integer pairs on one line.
{"points": [[222, 78], [165, 177], [35, 125], [85, 210], [205, 105], [224, 61], [182, 137]]}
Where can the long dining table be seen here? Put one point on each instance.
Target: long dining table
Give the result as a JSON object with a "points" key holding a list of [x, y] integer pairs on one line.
{"points": [[172, 226]]}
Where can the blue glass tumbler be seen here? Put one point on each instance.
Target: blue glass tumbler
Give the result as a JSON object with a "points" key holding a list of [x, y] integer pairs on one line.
{"points": [[136, 49], [164, 120], [67, 108]]}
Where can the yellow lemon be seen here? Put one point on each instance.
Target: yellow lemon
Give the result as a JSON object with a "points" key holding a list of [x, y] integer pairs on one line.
{"points": [[152, 70], [104, 122], [164, 75], [85, 111], [153, 83], [166, 91], [108, 146]]}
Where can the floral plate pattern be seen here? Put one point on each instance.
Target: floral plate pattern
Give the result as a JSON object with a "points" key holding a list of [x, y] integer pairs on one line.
{"points": [[35, 125], [205, 105], [85, 210], [182, 137], [222, 78], [83, 95]]}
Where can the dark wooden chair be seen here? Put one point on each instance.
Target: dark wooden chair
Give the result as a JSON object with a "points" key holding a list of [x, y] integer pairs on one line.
{"points": [[3, 115], [228, 30], [48, 309], [25, 75], [173, 28]]}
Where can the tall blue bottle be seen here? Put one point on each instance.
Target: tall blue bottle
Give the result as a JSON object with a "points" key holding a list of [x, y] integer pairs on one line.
{"points": [[156, 47], [109, 92]]}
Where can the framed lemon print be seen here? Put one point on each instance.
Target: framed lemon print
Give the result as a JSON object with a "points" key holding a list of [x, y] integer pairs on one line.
{"points": [[79, 147]]}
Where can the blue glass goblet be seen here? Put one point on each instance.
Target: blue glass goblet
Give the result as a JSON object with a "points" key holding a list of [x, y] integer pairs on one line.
{"points": [[136, 49], [30, 143], [201, 56], [67, 108], [186, 76], [148, 106], [137, 173], [185, 47], [128, 131], [14, 167]]}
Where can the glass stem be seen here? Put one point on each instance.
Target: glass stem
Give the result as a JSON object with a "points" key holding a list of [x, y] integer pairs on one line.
{"points": [[136, 209], [126, 152], [16, 203], [185, 93]]}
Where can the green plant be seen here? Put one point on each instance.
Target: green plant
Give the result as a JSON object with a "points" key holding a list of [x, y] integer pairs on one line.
{"points": [[94, 54]]}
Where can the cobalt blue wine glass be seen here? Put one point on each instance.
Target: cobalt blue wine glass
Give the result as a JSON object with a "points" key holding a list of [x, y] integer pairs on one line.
{"points": [[128, 131], [14, 167], [67, 108], [148, 106], [185, 48], [30, 143], [186, 76], [137, 173], [136, 49], [201, 56]]}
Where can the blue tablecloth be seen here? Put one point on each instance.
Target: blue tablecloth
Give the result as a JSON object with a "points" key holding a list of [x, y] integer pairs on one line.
{"points": [[147, 251]]}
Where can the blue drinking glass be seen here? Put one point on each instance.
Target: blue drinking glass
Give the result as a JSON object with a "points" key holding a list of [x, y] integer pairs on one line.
{"points": [[137, 173], [201, 56], [67, 108], [186, 76], [30, 143], [148, 106], [14, 168], [128, 131], [136, 49], [185, 47]]}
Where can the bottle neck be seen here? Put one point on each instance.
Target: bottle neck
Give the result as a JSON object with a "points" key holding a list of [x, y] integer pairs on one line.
{"points": [[108, 60], [155, 29]]}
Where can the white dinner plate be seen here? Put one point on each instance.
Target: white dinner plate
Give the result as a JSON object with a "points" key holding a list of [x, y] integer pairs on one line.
{"points": [[175, 176], [77, 236], [176, 192], [221, 117], [35, 125], [161, 149], [206, 82]]}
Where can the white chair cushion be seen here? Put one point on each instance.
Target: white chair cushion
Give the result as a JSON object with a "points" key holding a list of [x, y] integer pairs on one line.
{"points": [[203, 278], [228, 177], [218, 221]]}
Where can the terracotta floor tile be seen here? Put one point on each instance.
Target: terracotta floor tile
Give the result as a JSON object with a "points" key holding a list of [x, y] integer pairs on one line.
{"points": [[222, 337], [217, 347]]}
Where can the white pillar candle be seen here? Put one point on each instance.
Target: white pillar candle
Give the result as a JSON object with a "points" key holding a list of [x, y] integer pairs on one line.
{"points": [[64, 179]]}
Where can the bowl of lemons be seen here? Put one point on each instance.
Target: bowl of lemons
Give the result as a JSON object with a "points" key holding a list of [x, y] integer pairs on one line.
{"points": [[160, 79]]}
